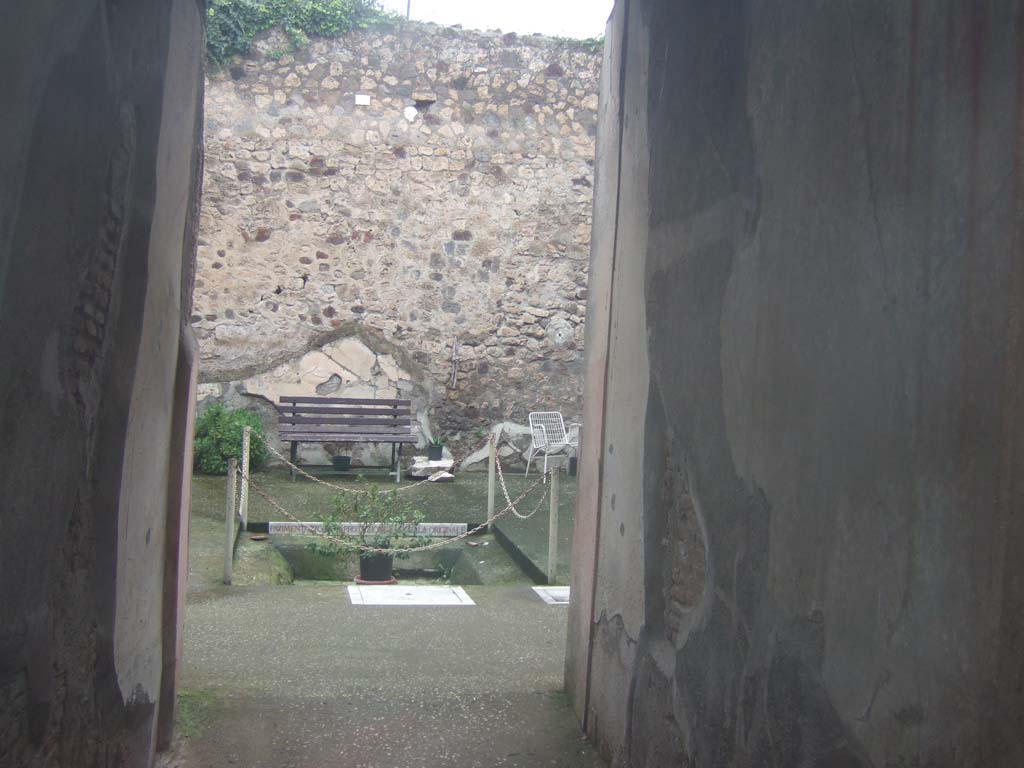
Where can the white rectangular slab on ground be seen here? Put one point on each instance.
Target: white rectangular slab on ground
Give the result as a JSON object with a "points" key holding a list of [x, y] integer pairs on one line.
{"points": [[397, 594], [553, 595]]}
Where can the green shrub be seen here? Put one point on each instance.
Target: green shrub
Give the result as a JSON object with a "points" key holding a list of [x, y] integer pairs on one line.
{"points": [[231, 25], [385, 518], [219, 438]]}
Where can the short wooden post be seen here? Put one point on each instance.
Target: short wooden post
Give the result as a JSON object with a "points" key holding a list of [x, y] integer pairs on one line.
{"points": [[243, 498], [229, 520], [553, 525], [492, 456]]}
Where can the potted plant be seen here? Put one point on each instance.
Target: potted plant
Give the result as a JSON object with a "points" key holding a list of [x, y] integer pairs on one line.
{"points": [[435, 449], [374, 519]]}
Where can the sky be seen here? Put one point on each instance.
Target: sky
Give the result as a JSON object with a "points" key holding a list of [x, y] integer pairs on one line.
{"points": [[562, 18]]}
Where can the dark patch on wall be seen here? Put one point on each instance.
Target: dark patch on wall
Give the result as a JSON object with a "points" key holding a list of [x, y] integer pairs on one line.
{"points": [[329, 387], [96, 307]]}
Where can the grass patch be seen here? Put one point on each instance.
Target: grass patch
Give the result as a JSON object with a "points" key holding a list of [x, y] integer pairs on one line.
{"points": [[194, 708], [464, 501]]}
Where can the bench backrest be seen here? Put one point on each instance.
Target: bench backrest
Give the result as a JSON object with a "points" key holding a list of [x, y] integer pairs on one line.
{"points": [[345, 416]]}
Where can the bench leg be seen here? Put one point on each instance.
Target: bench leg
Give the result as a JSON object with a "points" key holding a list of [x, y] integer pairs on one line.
{"points": [[294, 459], [396, 462]]}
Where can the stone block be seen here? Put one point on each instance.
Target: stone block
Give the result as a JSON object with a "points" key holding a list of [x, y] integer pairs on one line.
{"points": [[423, 467], [354, 356]]}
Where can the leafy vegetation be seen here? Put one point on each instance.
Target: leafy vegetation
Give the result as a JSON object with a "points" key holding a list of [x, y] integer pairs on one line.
{"points": [[588, 44], [233, 24], [384, 517], [219, 438]]}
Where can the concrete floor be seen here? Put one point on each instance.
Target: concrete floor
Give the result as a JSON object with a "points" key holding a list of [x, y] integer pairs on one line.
{"points": [[297, 677]]}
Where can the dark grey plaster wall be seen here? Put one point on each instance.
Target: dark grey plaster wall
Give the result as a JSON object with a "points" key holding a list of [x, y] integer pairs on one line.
{"points": [[99, 172], [809, 553]]}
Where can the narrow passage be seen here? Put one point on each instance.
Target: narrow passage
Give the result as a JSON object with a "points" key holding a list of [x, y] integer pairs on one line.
{"points": [[297, 676]]}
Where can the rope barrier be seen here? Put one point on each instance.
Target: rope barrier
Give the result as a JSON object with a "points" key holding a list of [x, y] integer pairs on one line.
{"points": [[344, 489], [349, 544], [504, 489]]}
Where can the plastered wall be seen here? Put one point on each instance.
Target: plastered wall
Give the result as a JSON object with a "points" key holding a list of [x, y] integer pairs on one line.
{"points": [[99, 180], [799, 538]]}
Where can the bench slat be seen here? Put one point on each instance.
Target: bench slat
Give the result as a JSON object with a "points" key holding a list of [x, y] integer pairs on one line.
{"points": [[387, 410], [344, 400], [398, 421], [333, 437], [321, 426], [337, 428]]}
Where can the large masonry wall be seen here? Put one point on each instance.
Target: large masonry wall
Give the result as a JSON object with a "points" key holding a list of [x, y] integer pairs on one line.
{"points": [[444, 219], [800, 532]]}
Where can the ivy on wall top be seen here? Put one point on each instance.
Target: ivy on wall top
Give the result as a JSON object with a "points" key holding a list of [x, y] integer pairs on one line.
{"points": [[232, 24]]}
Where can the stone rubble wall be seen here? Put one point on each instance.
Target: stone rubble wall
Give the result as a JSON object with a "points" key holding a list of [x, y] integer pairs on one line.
{"points": [[452, 209]]}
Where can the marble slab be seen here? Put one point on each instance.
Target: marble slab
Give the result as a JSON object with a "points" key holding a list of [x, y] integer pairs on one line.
{"points": [[553, 595], [439, 530], [398, 594]]}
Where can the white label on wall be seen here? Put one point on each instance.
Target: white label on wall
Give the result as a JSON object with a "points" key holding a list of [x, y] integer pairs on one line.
{"points": [[362, 99], [410, 113]]}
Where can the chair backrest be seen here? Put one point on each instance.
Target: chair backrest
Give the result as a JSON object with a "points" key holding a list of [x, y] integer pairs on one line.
{"points": [[553, 427]]}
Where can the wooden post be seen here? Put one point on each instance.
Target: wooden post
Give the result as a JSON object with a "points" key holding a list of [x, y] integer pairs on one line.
{"points": [[492, 456], [243, 499], [553, 525], [229, 520]]}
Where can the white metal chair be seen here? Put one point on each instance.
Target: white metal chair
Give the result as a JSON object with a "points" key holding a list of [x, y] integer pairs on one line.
{"points": [[550, 436]]}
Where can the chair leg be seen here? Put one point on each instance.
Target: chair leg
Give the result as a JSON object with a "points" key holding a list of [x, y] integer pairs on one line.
{"points": [[529, 460], [545, 466]]}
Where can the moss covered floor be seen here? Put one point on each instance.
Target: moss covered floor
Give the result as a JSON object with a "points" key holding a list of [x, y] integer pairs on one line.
{"points": [[463, 501]]}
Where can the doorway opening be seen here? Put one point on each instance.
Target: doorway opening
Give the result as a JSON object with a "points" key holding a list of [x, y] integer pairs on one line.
{"points": [[398, 220]]}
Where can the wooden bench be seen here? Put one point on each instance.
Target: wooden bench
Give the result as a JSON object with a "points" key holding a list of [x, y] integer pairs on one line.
{"points": [[346, 420]]}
